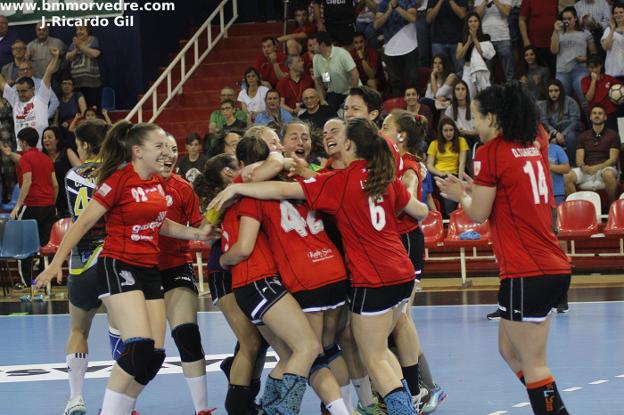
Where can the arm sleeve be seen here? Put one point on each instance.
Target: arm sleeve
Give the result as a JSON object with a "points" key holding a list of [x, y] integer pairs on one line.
{"points": [[9, 94], [250, 207], [324, 191], [484, 168], [109, 192], [191, 206], [402, 195]]}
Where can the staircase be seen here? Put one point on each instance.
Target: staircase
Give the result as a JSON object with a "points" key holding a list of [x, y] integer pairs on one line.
{"points": [[224, 66]]}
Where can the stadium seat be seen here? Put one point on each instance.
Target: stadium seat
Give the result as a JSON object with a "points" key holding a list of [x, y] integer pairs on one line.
{"points": [[433, 229], [201, 250], [14, 195], [576, 219], [108, 99], [59, 229], [590, 196], [393, 103], [615, 224], [20, 240]]}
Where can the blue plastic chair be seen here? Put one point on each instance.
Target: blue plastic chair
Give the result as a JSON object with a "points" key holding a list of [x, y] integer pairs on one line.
{"points": [[108, 99], [19, 240], [14, 195]]}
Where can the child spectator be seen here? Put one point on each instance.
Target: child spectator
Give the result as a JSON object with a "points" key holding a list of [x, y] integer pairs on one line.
{"points": [[192, 164]]}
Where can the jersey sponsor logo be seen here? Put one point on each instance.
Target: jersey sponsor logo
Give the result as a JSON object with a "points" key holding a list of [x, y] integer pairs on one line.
{"points": [[151, 226], [310, 180], [169, 200], [321, 254], [525, 152], [127, 277], [104, 189], [476, 167]]}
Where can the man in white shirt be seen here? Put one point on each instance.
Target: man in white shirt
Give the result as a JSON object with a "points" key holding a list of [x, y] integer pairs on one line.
{"points": [[30, 108], [494, 14], [25, 70]]}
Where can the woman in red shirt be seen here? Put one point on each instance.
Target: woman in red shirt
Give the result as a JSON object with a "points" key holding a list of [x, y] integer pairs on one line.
{"points": [[131, 196], [364, 198], [512, 191]]}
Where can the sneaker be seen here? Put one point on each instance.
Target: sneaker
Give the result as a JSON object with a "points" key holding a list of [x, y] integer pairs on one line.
{"points": [[563, 308], [417, 285], [135, 412], [419, 400], [495, 315], [208, 412], [380, 408], [76, 406], [364, 410], [436, 397]]}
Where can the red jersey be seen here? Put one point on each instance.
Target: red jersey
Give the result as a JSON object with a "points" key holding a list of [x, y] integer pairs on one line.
{"points": [[266, 69], [541, 142], [183, 208], [372, 58], [522, 236], [601, 95], [309, 29], [375, 255], [305, 256], [41, 168], [260, 263], [137, 209], [405, 222], [292, 91]]}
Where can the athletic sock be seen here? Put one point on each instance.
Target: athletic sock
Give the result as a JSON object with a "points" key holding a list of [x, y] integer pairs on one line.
{"points": [[363, 390], [199, 392], [410, 373], [77, 364], [292, 389], [338, 407], [345, 391], [116, 343], [545, 399], [115, 403], [399, 402], [520, 377], [271, 395], [425, 373], [237, 399]]}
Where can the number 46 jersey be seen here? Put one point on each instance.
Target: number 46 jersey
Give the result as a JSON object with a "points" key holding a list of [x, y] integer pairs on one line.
{"points": [[522, 236], [80, 186]]}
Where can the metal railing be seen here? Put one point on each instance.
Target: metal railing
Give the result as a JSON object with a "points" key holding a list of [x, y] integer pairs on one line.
{"points": [[180, 61]]}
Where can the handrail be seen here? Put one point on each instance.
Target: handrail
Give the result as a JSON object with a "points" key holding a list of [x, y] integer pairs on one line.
{"points": [[185, 74]]}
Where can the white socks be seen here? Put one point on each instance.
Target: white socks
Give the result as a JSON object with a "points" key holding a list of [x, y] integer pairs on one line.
{"points": [[77, 364], [199, 392], [364, 391], [345, 391], [338, 407], [116, 403]]}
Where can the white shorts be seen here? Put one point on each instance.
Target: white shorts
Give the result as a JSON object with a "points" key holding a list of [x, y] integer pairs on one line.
{"points": [[592, 181]]}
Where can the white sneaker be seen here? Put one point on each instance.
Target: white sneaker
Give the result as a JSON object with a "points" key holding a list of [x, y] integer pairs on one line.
{"points": [[419, 400], [76, 406]]}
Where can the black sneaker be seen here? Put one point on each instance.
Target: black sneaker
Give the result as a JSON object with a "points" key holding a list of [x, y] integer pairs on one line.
{"points": [[495, 315], [563, 308]]}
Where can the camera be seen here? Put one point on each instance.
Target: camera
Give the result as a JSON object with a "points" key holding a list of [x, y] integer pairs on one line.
{"points": [[566, 24]]}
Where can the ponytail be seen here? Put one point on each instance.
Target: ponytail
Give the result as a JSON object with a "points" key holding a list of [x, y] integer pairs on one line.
{"points": [[118, 143], [415, 129], [374, 149], [92, 132], [208, 184]]}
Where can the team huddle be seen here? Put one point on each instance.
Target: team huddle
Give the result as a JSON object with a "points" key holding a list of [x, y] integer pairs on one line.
{"points": [[319, 264]]}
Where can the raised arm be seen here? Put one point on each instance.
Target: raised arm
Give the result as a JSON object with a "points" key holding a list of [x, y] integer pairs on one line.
{"points": [[51, 68]]}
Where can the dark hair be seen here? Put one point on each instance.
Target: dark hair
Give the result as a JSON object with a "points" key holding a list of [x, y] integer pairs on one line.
{"points": [[272, 91], [58, 134], [92, 109], [372, 98], [374, 149], [217, 143], [594, 59], [407, 123], [229, 101], [560, 103], [442, 141], [598, 105], [323, 38], [193, 137], [118, 143], [572, 9], [294, 121], [271, 38], [26, 80], [445, 64], [617, 5], [455, 102], [92, 132], [524, 66], [250, 70], [466, 30], [514, 108], [251, 149], [411, 86], [359, 34], [29, 135], [208, 184]]}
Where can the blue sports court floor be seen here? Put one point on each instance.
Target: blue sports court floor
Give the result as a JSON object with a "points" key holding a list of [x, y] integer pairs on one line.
{"points": [[586, 354]]}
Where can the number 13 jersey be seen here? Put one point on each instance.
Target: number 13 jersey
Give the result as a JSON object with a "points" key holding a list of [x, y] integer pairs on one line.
{"points": [[522, 236]]}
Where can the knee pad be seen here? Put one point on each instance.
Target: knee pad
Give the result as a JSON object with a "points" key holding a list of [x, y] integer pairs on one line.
{"points": [[188, 341], [155, 362], [319, 363], [237, 400], [137, 356], [332, 352]]}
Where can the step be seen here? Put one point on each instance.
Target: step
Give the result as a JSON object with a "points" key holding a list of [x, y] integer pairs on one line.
{"points": [[208, 82], [180, 130], [263, 29]]}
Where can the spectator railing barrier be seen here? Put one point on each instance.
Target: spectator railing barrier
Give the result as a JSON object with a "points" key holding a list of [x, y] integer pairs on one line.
{"points": [[180, 63]]}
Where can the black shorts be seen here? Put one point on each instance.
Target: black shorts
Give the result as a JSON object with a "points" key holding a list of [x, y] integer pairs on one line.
{"points": [[374, 301], [328, 297], [182, 276], [414, 243], [257, 298], [82, 289], [531, 299], [220, 283], [115, 277]]}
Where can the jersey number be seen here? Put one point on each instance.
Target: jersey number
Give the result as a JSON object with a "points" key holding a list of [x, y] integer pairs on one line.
{"points": [[378, 214], [292, 220], [538, 184], [82, 200], [139, 194]]}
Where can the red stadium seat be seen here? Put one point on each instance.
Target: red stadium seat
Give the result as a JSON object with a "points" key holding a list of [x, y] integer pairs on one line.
{"points": [[576, 219], [615, 223], [433, 229], [59, 229], [459, 222], [393, 103], [201, 250]]}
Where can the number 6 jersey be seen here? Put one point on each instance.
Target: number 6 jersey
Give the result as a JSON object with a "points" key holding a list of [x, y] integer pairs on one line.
{"points": [[522, 236]]}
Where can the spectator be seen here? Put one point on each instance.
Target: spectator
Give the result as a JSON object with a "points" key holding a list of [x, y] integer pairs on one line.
{"points": [[533, 74], [596, 90], [228, 107], [570, 43], [412, 99], [445, 16], [596, 157], [308, 56], [38, 190], [83, 56], [10, 71], [475, 49], [30, 109], [252, 95], [494, 15], [291, 87], [7, 139], [270, 64], [90, 113], [447, 155], [367, 62], [364, 22], [396, 18], [63, 158], [561, 117], [335, 71], [72, 103], [441, 83], [459, 112], [38, 49], [273, 113], [224, 143], [537, 18], [25, 70], [6, 41], [217, 121], [613, 42], [296, 40], [192, 164], [338, 19], [593, 14], [422, 34], [315, 113], [559, 165]]}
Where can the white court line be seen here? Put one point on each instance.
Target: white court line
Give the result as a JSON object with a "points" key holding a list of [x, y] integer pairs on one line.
{"points": [[521, 405], [598, 382], [620, 376], [572, 389], [497, 413]]}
